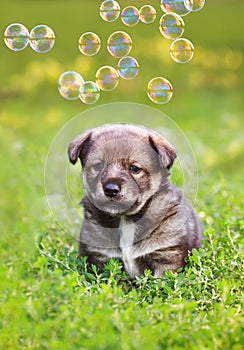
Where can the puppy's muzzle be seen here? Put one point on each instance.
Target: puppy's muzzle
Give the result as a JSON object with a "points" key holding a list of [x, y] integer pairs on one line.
{"points": [[112, 189]]}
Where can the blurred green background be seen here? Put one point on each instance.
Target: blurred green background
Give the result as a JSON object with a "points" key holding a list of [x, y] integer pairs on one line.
{"points": [[207, 103]]}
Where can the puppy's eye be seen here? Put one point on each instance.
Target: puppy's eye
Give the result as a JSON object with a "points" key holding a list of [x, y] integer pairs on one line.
{"points": [[134, 169], [97, 167]]}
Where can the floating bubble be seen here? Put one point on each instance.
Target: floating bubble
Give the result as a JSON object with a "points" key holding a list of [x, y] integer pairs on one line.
{"points": [[148, 14], [89, 44], [171, 26], [89, 92], [194, 5], [119, 44], [42, 38], [176, 6], [109, 10], [130, 16], [181, 50], [128, 68], [69, 85], [107, 78], [159, 90], [16, 37]]}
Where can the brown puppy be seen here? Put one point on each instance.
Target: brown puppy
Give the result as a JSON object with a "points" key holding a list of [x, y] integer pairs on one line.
{"points": [[132, 211]]}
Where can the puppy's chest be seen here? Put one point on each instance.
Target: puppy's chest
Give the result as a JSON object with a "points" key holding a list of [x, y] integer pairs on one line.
{"points": [[127, 238]]}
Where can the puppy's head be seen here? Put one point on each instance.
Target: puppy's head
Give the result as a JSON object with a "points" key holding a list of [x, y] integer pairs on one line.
{"points": [[123, 166]]}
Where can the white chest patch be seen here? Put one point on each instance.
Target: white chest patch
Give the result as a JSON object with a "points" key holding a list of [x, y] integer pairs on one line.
{"points": [[127, 235]]}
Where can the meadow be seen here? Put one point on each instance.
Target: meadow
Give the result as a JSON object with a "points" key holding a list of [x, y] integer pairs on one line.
{"points": [[49, 299]]}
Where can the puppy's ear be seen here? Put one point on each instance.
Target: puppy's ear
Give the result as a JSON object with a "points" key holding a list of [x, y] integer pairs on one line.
{"points": [[78, 148], [166, 152]]}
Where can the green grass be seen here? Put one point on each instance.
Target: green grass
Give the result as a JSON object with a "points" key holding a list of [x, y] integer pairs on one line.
{"points": [[53, 301], [48, 299]]}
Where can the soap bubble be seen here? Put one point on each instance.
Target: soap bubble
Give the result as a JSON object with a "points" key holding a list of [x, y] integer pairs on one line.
{"points": [[107, 78], [176, 6], [194, 5], [89, 44], [119, 44], [148, 14], [171, 26], [42, 38], [89, 92], [69, 85], [128, 68], [181, 50], [109, 10], [130, 16], [16, 37], [159, 90]]}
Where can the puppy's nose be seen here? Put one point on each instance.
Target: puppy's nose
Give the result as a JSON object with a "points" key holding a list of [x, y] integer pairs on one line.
{"points": [[111, 190]]}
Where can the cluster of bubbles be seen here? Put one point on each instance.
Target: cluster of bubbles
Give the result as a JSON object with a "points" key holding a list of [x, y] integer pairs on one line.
{"points": [[130, 15], [119, 44], [171, 24], [41, 38], [72, 85]]}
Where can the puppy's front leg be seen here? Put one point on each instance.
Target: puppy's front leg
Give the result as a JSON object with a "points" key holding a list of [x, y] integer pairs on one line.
{"points": [[95, 258], [168, 259]]}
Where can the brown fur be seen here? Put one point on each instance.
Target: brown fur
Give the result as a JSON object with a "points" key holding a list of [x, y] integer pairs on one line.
{"points": [[138, 217]]}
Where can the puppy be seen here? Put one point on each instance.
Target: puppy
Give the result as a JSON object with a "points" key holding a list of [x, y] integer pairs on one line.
{"points": [[132, 211]]}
